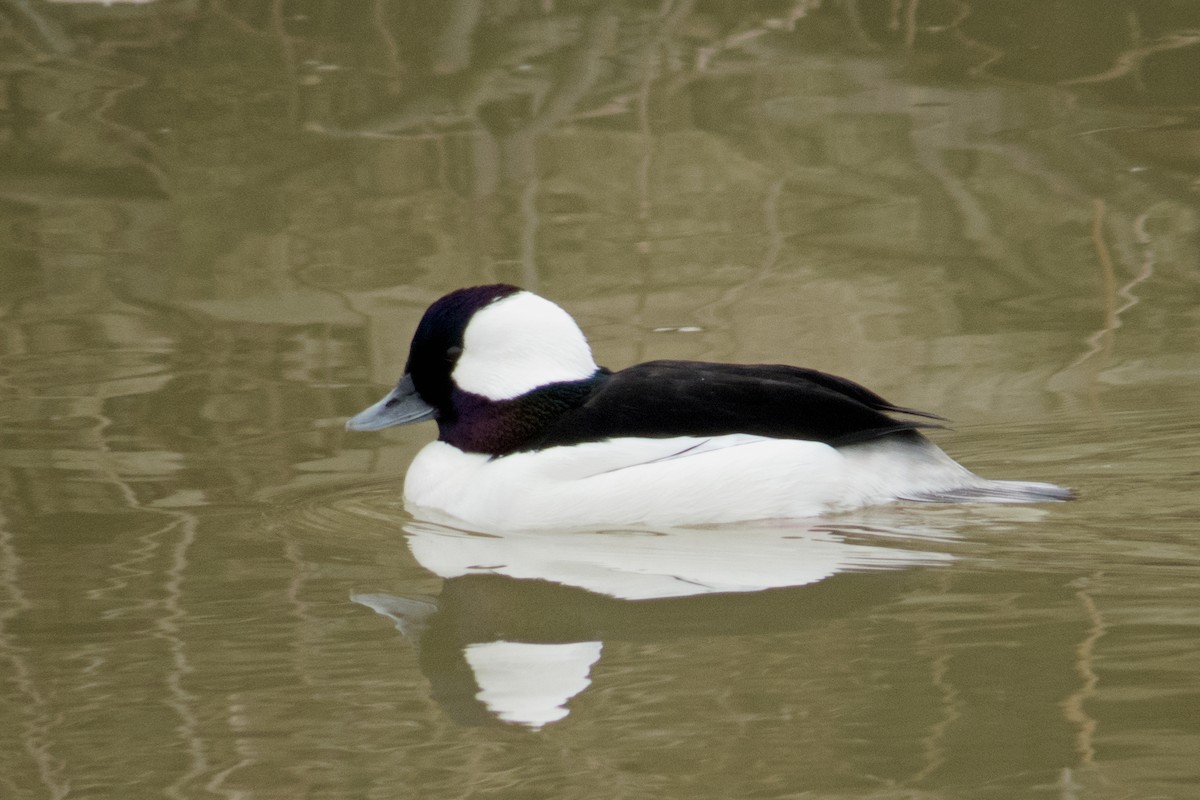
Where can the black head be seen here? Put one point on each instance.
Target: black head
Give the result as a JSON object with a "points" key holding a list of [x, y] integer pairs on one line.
{"points": [[493, 365], [438, 341]]}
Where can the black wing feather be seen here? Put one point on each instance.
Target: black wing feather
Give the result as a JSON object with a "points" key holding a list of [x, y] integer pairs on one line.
{"points": [[661, 399]]}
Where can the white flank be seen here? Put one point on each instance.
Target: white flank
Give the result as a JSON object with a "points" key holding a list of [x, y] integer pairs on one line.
{"points": [[520, 343], [676, 481], [530, 684], [630, 481]]}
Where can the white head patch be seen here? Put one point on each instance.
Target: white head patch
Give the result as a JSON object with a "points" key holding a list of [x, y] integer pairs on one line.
{"points": [[519, 343]]}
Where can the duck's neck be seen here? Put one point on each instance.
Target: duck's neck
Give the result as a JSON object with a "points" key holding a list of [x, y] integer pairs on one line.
{"points": [[476, 424]]}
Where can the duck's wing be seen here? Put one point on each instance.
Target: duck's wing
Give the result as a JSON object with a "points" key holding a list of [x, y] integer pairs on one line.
{"points": [[685, 398]]}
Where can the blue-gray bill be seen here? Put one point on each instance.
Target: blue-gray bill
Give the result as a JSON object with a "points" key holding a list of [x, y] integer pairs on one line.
{"points": [[401, 406]]}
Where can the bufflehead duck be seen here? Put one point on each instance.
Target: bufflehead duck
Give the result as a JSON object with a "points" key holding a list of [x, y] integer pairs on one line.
{"points": [[533, 434]]}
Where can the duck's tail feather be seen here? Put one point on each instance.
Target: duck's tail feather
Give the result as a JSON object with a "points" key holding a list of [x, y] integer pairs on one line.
{"points": [[997, 492]]}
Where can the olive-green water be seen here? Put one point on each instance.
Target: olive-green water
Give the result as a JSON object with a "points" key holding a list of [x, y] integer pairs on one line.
{"points": [[220, 222]]}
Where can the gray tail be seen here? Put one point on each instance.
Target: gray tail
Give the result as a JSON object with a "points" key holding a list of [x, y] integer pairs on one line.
{"points": [[998, 492]]}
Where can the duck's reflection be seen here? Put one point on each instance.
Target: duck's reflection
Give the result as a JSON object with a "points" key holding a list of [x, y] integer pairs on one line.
{"points": [[523, 617]]}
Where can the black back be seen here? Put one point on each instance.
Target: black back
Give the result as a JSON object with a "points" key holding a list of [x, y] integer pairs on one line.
{"points": [[662, 399]]}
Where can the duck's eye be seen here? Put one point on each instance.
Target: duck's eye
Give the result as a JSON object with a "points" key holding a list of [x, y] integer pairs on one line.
{"points": [[452, 354]]}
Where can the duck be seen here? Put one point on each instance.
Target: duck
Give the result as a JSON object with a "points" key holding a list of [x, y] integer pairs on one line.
{"points": [[534, 435]]}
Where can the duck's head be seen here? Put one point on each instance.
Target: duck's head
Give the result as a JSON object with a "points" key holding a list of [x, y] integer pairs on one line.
{"points": [[493, 343]]}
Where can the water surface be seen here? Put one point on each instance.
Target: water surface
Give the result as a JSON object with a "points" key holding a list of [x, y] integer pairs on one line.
{"points": [[220, 222]]}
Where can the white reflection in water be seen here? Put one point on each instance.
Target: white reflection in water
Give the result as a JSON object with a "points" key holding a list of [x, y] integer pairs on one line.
{"points": [[530, 682], [650, 564]]}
